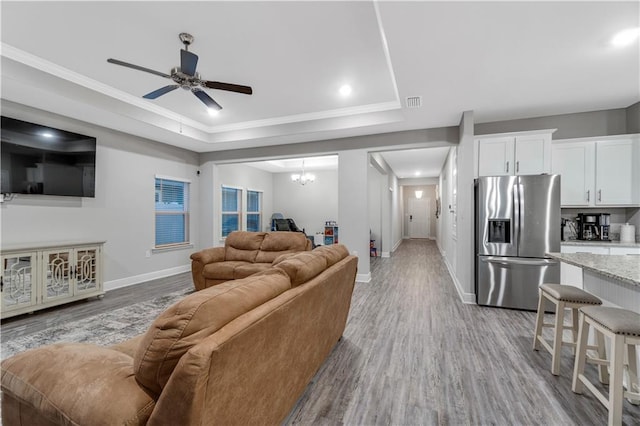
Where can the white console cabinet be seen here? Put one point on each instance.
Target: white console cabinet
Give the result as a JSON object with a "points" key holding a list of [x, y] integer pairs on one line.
{"points": [[39, 276], [598, 171], [514, 154]]}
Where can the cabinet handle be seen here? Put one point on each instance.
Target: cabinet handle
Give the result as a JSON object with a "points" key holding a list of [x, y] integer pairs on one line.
{"points": [[517, 166], [507, 170], [599, 194], [588, 195]]}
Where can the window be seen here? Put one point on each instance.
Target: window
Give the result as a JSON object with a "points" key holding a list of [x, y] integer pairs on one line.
{"points": [[231, 209], [172, 212], [254, 210]]}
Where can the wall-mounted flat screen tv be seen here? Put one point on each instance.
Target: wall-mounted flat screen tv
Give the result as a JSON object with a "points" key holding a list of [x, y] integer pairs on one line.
{"points": [[37, 159]]}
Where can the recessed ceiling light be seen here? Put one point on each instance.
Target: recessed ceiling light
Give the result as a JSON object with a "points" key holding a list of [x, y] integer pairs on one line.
{"points": [[625, 37], [213, 111], [46, 134], [417, 173], [345, 90]]}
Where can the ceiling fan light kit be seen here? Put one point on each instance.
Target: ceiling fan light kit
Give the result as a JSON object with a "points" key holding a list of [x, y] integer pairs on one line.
{"points": [[186, 77]]}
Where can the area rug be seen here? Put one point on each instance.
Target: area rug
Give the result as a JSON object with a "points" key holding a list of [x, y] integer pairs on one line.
{"points": [[102, 329]]}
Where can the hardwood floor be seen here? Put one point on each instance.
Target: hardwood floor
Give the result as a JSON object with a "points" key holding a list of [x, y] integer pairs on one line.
{"points": [[411, 354], [414, 354]]}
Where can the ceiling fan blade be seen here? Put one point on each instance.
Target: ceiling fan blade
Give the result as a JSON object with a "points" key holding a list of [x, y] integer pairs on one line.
{"points": [[247, 90], [137, 67], [188, 62], [206, 99], [161, 91]]}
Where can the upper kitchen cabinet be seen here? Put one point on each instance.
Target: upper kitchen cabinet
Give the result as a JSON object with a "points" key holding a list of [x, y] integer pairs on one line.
{"points": [[514, 154], [598, 171]]}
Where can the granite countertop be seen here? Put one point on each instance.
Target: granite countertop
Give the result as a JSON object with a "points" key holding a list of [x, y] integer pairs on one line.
{"points": [[598, 243], [624, 267]]}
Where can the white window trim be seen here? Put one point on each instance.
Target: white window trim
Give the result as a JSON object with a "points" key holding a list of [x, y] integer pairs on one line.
{"points": [[177, 179], [177, 246], [241, 212], [246, 212]]}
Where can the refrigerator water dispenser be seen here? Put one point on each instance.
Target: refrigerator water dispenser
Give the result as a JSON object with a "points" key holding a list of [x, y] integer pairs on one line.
{"points": [[499, 231]]}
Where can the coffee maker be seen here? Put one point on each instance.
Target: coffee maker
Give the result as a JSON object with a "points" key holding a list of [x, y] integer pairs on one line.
{"points": [[593, 226]]}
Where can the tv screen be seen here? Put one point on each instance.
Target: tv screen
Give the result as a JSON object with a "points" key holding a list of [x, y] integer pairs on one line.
{"points": [[38, 159]]}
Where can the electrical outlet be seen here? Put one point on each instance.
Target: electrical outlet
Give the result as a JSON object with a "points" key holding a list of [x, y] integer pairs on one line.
{"points": [[148, 253]]}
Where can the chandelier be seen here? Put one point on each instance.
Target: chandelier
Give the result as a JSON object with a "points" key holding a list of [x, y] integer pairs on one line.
{"points": [[303, 178]]}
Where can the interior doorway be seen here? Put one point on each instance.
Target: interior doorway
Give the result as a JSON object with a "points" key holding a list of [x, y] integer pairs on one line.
{"points": [[419, 219]]}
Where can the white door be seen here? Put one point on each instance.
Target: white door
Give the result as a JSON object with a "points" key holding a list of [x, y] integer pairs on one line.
{"points": [[419, 220]]}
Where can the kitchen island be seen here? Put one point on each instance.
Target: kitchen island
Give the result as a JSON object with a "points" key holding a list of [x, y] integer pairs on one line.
{"points": [[613, 278]]}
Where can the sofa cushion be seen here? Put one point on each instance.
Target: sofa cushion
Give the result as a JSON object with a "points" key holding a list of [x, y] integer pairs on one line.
{"points": [[303, 266], [187, 322], [334, 253], [280, 242], [72, 384], [243, 245], [222, 270], [248, 269]]}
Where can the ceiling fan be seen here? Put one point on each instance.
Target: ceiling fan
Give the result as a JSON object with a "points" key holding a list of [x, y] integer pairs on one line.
{"points": [[186, 77]]}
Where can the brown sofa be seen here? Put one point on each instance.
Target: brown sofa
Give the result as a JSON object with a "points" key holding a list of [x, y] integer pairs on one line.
{"points": [[244, 253], [237, 353]]}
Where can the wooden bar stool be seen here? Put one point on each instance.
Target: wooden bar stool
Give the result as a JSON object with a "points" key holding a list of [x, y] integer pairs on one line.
{"points": [[623, 328], [563, 297]]}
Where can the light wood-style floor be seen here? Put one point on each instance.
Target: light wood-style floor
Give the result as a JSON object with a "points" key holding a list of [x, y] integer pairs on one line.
{"points": [[412, 354]]}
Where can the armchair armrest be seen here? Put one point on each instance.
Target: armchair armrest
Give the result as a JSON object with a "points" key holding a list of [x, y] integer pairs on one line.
{"points": [[209, 255], [72, 383], [202, 258]]}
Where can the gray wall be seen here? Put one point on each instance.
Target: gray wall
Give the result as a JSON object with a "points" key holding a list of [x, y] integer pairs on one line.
{"points": [[376, 180], [584, 124], [633, 118], [310, 205], [353, 202], [123, 211]]}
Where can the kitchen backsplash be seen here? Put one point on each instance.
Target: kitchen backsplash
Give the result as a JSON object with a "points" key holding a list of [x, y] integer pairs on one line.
{"points": [[619, 216]]}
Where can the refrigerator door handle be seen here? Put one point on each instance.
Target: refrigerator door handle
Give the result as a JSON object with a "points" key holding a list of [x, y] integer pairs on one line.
{"points": [[515, 228], [524, 262]]}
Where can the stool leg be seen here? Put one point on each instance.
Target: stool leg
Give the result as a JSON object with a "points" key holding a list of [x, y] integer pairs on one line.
{"points": [[539, 320], [632, 370], [615, 387], [603, 370], [557, 339], [574, 328], [581, 355]]}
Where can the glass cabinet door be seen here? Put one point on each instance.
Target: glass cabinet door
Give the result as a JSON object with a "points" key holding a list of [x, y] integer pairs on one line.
{"points": [[87, 269], [57, 274], [18, 281]]}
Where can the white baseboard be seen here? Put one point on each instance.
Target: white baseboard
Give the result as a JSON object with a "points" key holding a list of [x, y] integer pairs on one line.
{"points": [[137, 279], [363, 278], [385, 254], [468, 298]]}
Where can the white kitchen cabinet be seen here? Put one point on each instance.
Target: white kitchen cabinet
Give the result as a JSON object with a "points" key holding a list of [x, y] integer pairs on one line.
{"points": [[40, 276], [507, 155], [598, 171], [614, 172], [575, 163]]}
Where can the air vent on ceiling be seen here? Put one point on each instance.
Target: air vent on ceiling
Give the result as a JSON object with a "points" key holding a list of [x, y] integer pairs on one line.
{"points": [[414, 101]]}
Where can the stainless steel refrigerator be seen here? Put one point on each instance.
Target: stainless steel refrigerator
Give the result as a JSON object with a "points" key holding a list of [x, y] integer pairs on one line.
{"points": [[517, 222]]}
